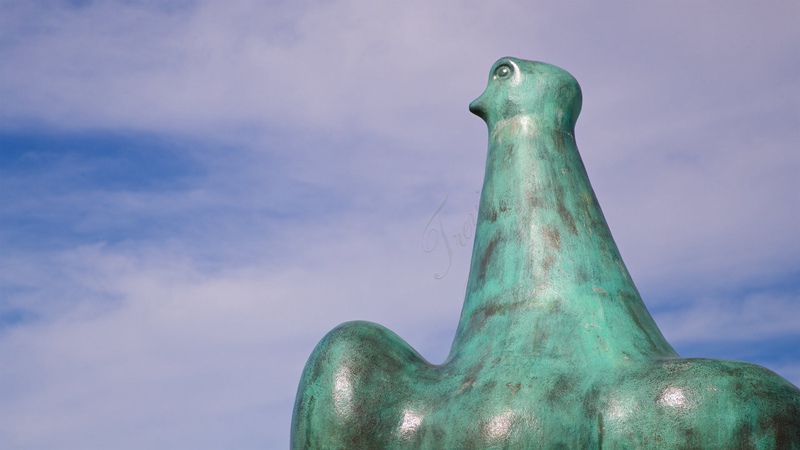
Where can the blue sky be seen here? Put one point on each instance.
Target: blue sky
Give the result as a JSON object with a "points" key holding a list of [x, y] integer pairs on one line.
{"points": [[193, 195]]}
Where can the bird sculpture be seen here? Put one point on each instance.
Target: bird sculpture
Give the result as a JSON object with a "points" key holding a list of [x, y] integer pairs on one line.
{"points": [[555, 348]]}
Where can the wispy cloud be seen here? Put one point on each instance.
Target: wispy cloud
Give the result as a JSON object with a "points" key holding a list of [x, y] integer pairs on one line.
{"points": [[757, 317]]}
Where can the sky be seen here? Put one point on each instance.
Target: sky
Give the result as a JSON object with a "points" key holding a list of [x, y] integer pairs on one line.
{"points": [[193, 193]]}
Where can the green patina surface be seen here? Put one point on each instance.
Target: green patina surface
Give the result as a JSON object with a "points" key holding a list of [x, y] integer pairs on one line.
{"points": [[554, 348]]}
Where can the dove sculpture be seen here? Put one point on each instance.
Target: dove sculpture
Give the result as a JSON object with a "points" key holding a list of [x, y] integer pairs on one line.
{"points": [[555, 347]]}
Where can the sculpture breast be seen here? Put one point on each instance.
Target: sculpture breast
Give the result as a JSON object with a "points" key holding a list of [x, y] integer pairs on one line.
{"points": [[554, 347]]}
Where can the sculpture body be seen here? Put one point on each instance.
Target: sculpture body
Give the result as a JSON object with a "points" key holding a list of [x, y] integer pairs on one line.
{"points": [[554, 348]]}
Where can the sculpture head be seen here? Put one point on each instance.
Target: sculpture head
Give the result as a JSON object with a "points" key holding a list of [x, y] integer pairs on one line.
{"points": [[543, 92]]}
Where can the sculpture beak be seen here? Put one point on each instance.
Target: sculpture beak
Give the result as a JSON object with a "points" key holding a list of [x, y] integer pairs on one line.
{"points": [[478, 108]]}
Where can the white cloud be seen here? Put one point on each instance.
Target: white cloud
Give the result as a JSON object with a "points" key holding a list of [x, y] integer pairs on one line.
{"points": [[152, 334], [757, 317]]}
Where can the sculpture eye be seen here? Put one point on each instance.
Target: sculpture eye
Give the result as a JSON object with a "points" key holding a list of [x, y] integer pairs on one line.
{"points": [[502, 71]]}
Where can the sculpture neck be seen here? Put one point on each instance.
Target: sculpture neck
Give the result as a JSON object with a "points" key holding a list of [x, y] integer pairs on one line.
{"points": [[544, 264]]}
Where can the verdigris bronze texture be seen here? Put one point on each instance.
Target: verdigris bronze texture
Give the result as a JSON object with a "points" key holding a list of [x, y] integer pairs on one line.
{"points": [[554, 348]]}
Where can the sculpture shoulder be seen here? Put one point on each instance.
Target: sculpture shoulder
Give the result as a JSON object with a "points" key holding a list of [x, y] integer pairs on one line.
{"points": [[351, 388], [703, 403], [353, 341]]}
